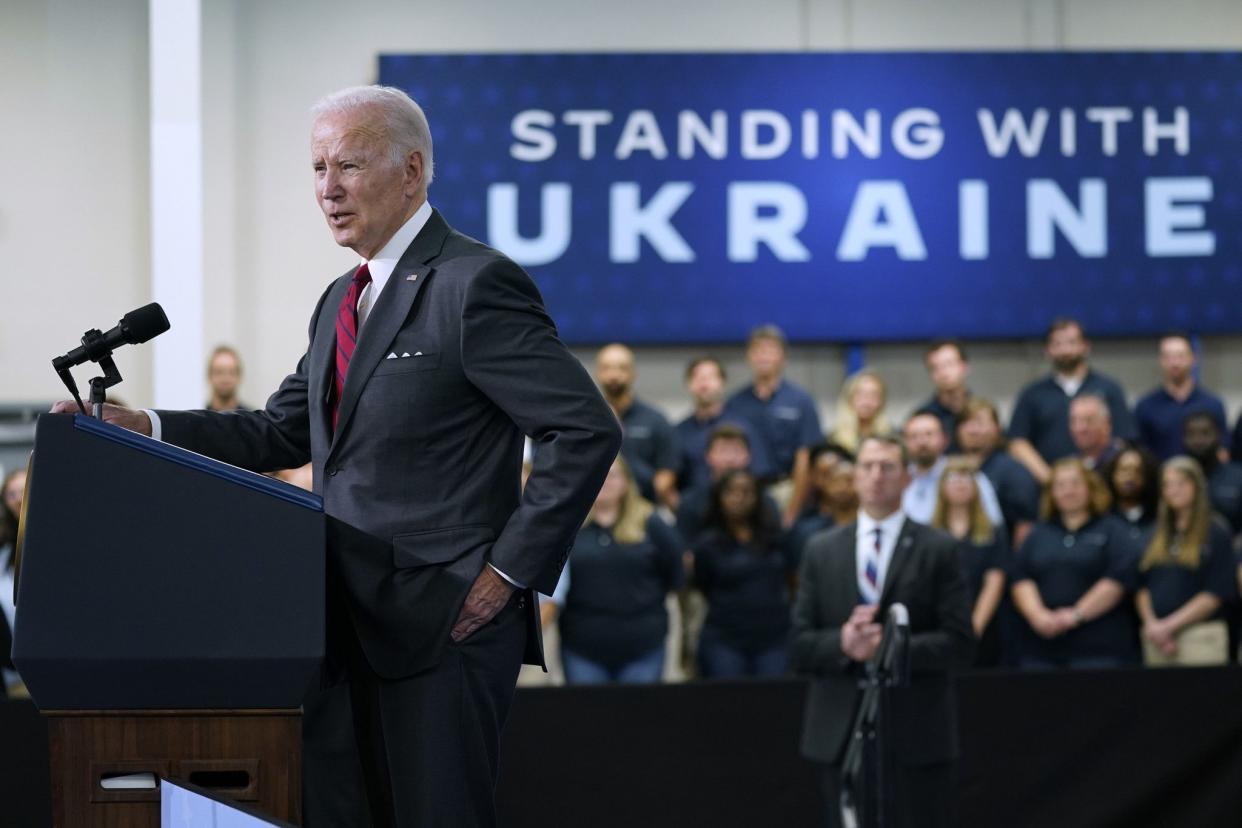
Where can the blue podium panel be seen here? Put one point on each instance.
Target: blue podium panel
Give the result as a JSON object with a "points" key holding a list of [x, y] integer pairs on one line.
{"points": [[185, 806], [152, 577]]}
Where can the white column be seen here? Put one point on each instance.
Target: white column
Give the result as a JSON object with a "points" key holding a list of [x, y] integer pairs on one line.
{"points": [[177, 199]]}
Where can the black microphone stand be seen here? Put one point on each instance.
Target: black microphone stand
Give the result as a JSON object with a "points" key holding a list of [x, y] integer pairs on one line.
{"points": [[867, 770], [93, 340]]}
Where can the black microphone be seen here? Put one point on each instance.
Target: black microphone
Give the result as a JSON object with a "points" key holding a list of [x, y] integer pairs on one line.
{"points": [[135, 327]]}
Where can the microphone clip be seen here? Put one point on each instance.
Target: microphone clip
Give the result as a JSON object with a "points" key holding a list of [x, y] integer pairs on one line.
{"points": [[96, 346]]}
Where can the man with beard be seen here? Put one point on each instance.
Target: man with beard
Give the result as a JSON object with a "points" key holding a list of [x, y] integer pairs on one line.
{"points": [[926, 443], [1162, 413], [705, 380], [649, 445], [1201, 435], [1039, 432], [224, 373]]}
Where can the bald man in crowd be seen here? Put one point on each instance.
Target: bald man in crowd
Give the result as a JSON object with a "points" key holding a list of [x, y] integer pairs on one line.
{"points": [[649, 444]]}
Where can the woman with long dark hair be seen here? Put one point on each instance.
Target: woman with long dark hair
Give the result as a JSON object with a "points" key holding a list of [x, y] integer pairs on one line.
{"points": [[1133, 478], [746, 573], [1186, 574]]}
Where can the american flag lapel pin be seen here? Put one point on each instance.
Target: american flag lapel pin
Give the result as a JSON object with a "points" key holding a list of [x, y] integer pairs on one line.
{"points": [[413, 277]]}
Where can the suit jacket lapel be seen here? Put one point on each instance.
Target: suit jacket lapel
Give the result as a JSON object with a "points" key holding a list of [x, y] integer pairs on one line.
{"points": [[389, 314], [901, 556]]}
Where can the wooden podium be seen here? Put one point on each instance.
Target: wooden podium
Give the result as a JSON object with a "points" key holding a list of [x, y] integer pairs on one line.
{"points": [[171, 619]]}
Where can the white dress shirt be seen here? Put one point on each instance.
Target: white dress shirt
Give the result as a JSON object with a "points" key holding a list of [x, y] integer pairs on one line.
{"points": [[864, 547], [918, 501], [385, 261]]}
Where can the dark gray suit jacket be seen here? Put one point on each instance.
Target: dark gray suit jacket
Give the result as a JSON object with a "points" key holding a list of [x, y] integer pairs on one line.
{"points": [[423, 472], [924, 574]]}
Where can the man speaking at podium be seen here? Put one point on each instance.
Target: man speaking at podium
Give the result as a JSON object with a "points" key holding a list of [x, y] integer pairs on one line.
{"points": [[427, 364], [849, 578]]}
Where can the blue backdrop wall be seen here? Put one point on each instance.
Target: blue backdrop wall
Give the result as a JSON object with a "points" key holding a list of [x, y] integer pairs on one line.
{"points": [[665, 198]]}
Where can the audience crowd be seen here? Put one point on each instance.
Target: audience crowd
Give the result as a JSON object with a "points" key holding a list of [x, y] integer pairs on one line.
{"points": [[1090, 534]]}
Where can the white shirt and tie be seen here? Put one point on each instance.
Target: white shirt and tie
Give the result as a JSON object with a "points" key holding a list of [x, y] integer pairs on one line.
{"points": [[873, 552]]}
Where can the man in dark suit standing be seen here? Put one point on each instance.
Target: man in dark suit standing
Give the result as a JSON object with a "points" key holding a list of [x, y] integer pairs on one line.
{"points": [[849, 578], [427, 364]]}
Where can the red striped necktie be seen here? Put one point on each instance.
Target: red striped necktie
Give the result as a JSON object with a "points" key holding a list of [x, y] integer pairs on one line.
{"points": [[347, 335]]}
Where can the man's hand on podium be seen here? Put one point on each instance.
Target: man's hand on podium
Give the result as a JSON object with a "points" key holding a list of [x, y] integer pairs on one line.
{"points": [[126, 418]]}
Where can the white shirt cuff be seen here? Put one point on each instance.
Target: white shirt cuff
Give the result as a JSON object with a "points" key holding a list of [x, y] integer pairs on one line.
{"points": [[157, 431], [507, 578]]}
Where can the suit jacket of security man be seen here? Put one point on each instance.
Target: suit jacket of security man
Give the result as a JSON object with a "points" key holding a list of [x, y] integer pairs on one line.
{"points": [[426, 458], [925, 575]]}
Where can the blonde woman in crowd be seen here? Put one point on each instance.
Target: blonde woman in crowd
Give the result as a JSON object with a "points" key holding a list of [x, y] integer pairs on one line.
{"points": [[1186, 574], [985, 551], [860, 410], [1071, 575], [611, 596]]}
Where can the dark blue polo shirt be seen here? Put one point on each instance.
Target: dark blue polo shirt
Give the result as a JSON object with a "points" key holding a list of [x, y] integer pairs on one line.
{"points": [[980, 558], [614, 607], [947, 418], [747, 590], [1016, 488], [649, 445], [1064, 565], [1160, 419], [1172, 585], [692, 436], [1225, 492], [810, 523], [788, 421], [1041, 415]]}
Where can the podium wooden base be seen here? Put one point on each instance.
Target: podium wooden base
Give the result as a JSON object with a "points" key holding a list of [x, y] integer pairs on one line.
{"points": [[250, 756]]}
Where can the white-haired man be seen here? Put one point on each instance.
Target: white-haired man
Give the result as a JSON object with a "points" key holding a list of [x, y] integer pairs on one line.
{"points": [[427, 364]]}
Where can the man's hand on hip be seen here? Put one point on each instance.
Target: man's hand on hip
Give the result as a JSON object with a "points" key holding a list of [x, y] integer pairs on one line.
{"points": [[115, 414], [487, 597]]}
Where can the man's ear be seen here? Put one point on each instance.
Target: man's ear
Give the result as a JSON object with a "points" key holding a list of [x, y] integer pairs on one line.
{"points": [[415, 172]]}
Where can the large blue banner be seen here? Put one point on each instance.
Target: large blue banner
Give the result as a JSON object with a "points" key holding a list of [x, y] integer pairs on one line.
{"points": [[848, 197]]}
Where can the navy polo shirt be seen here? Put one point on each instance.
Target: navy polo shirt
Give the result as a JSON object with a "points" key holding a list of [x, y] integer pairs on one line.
{"points": [[1016, 488], [747, 590], [1160, 419], [1172, 585], [692, 436], [980, 558], [810, 523], [1225, 492], [1064, 565], [614, 607], [648, 445], [1041, 416], [786, 422], [947, 418]]}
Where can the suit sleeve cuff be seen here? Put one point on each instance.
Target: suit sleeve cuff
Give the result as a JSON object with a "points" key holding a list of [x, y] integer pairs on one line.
{"points": [[157, 431], [507, 578]]}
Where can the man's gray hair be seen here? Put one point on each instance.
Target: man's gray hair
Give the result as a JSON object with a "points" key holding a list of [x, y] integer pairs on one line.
{"points": [[403, 120]]}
